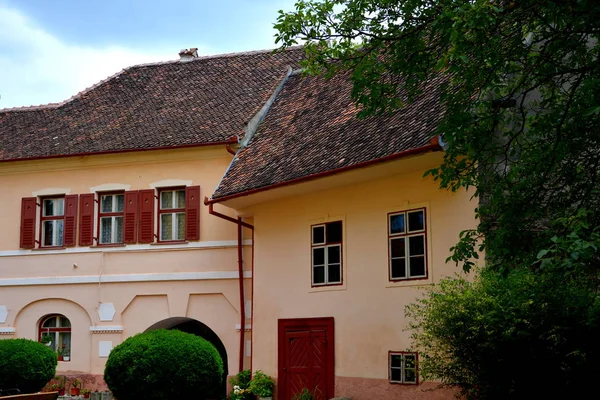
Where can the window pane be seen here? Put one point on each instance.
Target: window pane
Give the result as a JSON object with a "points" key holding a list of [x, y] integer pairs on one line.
{"points": [[409, 361], [334, 232], [398, 248], [333, 254], [318, 275], [50, 323], [180, 199], [397, 224], [106, 204], [416, 245], [410, 375], [47, 233], [166, 200], [319, 256], [106, 230], [318, 234], [120, 199], [119, 229], [395, 375], [180, 226], [396, 360], [54, 207], [416, 221], [59, 232], [417, 266], [64, 340], [334, 273], [399, 268], [166, 226], [64, 322]]}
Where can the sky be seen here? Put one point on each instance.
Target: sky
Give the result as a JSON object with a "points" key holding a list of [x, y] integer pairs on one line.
{"points": [[52, 49]]}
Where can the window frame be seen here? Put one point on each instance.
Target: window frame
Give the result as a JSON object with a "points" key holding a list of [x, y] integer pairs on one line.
{"points": [[43, 218], [101, 215], [56, 331], [406, 234], [325, 245], [403, 367], [159, 212]]}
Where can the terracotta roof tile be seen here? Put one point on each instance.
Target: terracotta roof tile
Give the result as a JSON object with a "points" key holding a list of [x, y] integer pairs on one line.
{"points": [[207, 100], [312, 129]]}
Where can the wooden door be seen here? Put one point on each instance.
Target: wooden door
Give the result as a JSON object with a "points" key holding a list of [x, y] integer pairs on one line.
{"points": [[306, 356]]}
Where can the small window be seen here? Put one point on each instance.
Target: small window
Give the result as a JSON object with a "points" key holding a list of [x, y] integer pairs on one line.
{"points": [[171, 215], [327, 254], [407, 242], [111, 218], [53, 222], [55, 332], [403, 367]]}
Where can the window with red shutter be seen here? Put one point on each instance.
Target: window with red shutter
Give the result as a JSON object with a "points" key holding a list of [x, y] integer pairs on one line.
{"points": [[130, 217], [70, 224], [111, 213], [86, 219], [28, 214], [146, 216], [52, 222], [192, 213]]}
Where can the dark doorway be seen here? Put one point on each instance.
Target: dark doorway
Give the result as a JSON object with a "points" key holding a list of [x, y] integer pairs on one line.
{"points": [[306, 357], [195, 327]]}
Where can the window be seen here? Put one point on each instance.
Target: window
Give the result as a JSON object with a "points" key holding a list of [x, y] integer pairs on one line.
{"points": [[403, 368], [171, 214], [111, 218], [53, 221], [407, 239], [55, 332], [326, 240]]}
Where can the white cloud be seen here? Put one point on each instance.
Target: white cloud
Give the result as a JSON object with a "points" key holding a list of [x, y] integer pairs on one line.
{"points": [[38, 68]]}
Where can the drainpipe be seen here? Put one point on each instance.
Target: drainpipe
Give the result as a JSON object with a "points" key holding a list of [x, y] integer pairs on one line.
{"points": [[240, 224]]}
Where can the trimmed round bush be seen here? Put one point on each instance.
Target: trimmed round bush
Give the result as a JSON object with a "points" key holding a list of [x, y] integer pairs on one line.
{"points": [[26, 365], [164, 364]]}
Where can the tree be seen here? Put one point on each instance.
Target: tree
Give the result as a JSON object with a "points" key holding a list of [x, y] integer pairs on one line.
{"points": [[26, 365], [522, 126]]}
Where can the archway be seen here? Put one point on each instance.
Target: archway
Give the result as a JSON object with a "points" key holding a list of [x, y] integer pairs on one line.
{"points": [[197, 328]]}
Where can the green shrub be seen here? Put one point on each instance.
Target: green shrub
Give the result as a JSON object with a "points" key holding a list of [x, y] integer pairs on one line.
{"points": [[239, 386], [26, 365], [164, 364], [262, 384]]}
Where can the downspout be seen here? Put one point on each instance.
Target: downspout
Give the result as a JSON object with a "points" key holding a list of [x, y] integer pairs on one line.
{"points": [[240, 224]]}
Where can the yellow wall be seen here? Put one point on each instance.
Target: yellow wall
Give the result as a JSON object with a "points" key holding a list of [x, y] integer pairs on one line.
{"points": [[368, 309]]}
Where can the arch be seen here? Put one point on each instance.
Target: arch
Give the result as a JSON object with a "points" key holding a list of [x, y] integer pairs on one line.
{"points": [[55, 332], [197, 328]]}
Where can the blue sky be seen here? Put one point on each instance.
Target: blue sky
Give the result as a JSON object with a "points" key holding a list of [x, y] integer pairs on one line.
{"points": [[52, 49]]}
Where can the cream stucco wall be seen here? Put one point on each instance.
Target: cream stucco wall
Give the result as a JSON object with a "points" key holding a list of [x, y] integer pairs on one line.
{"points": [[368, 309], [145, 283]]}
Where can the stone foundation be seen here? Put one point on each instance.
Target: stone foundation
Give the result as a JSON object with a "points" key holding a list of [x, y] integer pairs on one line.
{"points": [[381, 389]]}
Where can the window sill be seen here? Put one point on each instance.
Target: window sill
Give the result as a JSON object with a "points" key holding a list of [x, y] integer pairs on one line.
{"points": [[327, 288], [100, 246], [49, 248], [166, 243], [410, 282]]}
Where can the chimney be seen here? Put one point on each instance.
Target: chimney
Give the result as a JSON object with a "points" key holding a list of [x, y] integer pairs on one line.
{"points": [[188, 54]]}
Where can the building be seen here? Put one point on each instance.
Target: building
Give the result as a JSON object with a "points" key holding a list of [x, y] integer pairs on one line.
{"points": [[328, 218]]}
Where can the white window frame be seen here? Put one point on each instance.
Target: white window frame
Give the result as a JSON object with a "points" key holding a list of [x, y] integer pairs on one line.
{"points": [[113, 218], [323, 245], [54, 220], [403, 368], [165, 211], [406, 235]]}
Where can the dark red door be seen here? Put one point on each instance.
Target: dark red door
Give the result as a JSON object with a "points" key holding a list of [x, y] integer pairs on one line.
{"points": [[306, 356]]}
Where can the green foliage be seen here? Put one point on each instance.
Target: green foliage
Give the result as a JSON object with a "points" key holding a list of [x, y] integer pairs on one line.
{"points": [[305, 394], [262, 384], [164, 364], [239, 385], [26, 365], [509, 336]]}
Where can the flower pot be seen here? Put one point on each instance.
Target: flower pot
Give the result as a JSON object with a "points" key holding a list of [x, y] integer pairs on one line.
{"points": [[86, 396], [66, 358], [75, 391], [60, 358], [61, 392]]}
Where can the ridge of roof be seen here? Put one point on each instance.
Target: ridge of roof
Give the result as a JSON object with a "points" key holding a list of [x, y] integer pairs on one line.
{"points": [[49, 106]]}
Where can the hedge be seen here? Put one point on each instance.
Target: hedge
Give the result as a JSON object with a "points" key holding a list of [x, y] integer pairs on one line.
{"points": [[26, 365], [164, 364]]}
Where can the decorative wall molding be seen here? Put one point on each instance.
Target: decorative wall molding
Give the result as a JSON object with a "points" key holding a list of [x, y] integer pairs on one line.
{"points": [[120, 278], [51, 191], [106, 187], [106, 311], [106, 329], [247, 327], [216, 244], [171, 183], [7, 330], [3, 314]]}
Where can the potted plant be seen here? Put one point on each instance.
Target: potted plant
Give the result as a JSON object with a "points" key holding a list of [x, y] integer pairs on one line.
{"points": [[60, 353], [305, 394], [262, 385], [75, 387], [59, 385], [85, 393], [66, 354]]}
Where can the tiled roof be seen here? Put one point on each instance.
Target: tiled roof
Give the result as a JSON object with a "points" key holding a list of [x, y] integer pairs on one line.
{"points": [[204, 101], [312, 130]]}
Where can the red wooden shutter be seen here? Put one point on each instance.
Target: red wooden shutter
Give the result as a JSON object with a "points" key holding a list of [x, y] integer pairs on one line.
{"points": [[146, 216], [28, 211], [192, 213], [70, 219], [86, 219], [130, 217]]}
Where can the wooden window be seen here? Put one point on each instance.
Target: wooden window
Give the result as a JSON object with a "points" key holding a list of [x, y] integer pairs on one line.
{"points": [[326, 243], [52, 222], [111, 218], [179, 214], [407, 242], [55, 332], [403, 367]]}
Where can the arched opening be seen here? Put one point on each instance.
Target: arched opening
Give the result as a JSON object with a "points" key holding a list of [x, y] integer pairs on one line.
{"points": [[197, 328], [55, 332]]}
